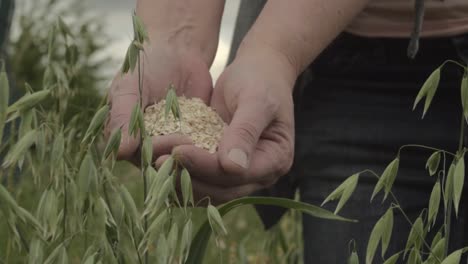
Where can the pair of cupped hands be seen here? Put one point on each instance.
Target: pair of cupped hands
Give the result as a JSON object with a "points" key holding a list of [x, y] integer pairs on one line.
{"points": [[253, 96]]}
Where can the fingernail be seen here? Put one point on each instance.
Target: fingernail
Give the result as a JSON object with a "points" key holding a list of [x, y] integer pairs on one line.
{"points": [[239, 157]]}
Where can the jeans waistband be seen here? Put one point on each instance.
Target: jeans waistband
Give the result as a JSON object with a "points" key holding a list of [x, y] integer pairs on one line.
{"points": [[352, 57]]}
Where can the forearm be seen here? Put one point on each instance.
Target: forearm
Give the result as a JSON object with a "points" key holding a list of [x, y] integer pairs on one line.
{"points": [[299, 30], [185, 24]]}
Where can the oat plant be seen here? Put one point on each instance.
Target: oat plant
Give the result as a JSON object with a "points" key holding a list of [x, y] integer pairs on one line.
{"points": [[61, 199], [445, 195]]}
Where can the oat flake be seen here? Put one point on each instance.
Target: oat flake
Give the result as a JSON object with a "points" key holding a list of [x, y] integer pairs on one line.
{"points": [[200, 122]]}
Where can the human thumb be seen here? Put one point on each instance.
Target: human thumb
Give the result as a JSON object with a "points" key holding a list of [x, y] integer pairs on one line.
{"points": [[240, 138]]}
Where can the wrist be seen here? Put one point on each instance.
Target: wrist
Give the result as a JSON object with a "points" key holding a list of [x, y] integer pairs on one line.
{"points": [[185, 42], [184, 25], [265, 56]]}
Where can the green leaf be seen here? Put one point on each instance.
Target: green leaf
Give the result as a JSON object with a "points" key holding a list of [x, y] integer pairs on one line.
{"points": [[186, 240], [353, 258], [126, 64], [28, 101], [165, 190], [428, 90], [175, 108], [150, 174], [154, 230], [432, 163], [414, 257], [132, 56], [390, 178], [20, 148], [8, 199], [415, 235], [58, 149], [172, 104], [344, 191], [63, 256], [41, 144], [113, 144], [90, 259], [215, 220], [387, 230], [162, 174], [387, 178], [4, 97], [51, 41], [139, 29], [26, 122], [200, 242], [172, 239], [464, 93], [50, 213], [36, 252], [130, 207], [436, 239], [96, 123], [434, 203], [437, 251], [86, 174], [186, 186], [374, 239], [458, 182], [29, 219], [134, 124], [157, 199], [448, 188], [55, 256], [147, 151], [158, 183], [162, 249], [65, 30], [453, 258], [393, 259]]}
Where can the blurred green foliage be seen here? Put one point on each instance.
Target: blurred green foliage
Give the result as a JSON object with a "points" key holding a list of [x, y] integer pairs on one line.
{"points": [[28, 50], [84, 72]]}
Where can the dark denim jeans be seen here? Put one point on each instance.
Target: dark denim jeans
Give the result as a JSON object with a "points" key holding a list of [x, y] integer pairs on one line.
{"points": [[353, 114]]}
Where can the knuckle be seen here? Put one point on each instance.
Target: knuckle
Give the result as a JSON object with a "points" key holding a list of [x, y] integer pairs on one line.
{"points": [[247, 132], [270, 181], [286, 163], [271, 103], [282, 163]]}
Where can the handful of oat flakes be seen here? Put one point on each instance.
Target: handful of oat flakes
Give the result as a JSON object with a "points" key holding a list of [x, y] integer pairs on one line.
{"points": [[197, 120]]}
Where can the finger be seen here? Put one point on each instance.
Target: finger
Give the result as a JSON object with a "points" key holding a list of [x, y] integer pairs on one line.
{"points": [[219, 104], [160, 160], [199, 83], [271, 160], [207, 167], [219, 195], [163, 145], [240, 138], [203, 165], [122, 99], [121, 102]]}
